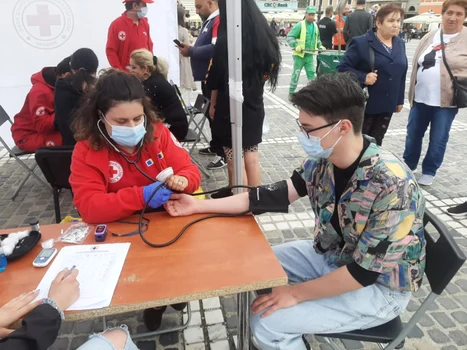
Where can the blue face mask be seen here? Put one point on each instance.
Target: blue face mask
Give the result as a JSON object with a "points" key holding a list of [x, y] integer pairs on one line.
{"points": [[312, 145], [143, 12], [127, 135]]}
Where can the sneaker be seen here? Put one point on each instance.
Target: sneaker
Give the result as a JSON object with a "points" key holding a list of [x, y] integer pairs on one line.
{"points": [[206, 151], [222, 194], [152, 318], [458, 210], [426, 180], [217, 163]]}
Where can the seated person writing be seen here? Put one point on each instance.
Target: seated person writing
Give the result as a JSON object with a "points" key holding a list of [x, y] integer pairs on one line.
{"points": [[368, 253], [41, 320], [121, 149], [33, 127], [153, 74]]}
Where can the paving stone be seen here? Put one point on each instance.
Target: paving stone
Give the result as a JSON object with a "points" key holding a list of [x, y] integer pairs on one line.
{"points": [[221, 345], [450, 347], [217, 332], [198, 346], [76, 342], [195, 318], [452, 288], [462, 283], [193, 335], [416, 332], [85, 327], [438, 337], [352, 344], [171, 338], [460, 316], [213, 317], [459, 337], [211, 303], [194, 305], [146, 345], [447, 303], [426, 321], [60, 344]]}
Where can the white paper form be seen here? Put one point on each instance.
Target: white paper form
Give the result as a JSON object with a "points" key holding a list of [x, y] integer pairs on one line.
{"points": [[99, 269]]}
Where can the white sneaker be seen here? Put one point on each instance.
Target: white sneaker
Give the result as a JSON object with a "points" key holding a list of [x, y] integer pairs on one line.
{"points": [[426, 180]]}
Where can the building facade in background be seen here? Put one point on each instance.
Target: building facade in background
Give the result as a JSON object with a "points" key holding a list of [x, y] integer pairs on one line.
{"points": [[269, 6], [430, 5]]}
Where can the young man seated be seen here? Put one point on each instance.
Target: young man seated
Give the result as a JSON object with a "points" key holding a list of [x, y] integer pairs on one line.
{"points": [[368, 252], [33, 127]]}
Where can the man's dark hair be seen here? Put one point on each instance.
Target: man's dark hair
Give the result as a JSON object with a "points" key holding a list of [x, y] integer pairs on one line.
{"points": [[361, 2], [129, 5], [333, 97], [63, 67], [329, 11]]}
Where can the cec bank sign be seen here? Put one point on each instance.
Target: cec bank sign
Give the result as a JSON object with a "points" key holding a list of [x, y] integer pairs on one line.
{"points": [[277, 6]]}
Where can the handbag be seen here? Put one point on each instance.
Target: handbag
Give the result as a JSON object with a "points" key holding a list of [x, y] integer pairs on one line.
{"points": [[371, 52], [459, 85]]}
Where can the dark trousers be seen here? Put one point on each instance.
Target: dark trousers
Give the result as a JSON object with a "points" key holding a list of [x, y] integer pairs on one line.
{"points": [[336, 47], [376, 125], [216, 143]]}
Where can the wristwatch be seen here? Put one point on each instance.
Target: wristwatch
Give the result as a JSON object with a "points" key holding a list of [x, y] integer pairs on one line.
{"points": [[52, 303]]}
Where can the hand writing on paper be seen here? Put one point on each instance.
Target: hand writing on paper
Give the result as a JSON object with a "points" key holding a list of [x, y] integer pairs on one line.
{"points": [[16, 309], [280, 298], [65, 292]]}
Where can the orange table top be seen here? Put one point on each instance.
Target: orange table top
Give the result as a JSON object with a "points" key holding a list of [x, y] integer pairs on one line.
{"points": [[215, 257]]}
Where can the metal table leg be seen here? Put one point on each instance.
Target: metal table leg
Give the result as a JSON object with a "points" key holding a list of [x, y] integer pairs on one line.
{"points": [[243, 306]]}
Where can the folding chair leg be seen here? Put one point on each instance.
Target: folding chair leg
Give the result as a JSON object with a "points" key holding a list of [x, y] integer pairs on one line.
{"points": [[58, 216], [30, 173]]}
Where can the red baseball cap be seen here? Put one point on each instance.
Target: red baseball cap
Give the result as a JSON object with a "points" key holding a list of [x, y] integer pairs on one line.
{"points": [[146, 1]]}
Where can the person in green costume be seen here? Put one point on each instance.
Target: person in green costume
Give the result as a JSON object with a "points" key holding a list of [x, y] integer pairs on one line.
{"points": [[304, 39]]}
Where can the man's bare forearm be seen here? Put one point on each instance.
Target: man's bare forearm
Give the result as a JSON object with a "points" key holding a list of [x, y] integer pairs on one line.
{"points": [[338, 282]]}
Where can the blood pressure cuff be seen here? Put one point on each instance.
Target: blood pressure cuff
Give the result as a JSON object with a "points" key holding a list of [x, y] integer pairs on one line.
{"points": [[273, 198]]}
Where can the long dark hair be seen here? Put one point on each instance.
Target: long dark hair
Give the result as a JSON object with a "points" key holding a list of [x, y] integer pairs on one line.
{"points": [[112, 88], [84, 63], [260, 48]]}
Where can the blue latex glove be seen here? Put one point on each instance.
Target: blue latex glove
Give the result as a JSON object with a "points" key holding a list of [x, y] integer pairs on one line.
{"points": [[160, 198]]}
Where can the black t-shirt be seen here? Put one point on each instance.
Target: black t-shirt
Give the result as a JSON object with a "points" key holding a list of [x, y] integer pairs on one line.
{"points": [[327, 29]]}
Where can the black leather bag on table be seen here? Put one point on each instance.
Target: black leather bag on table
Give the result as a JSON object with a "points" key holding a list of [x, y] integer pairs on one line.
{"points": [[459, 85]]}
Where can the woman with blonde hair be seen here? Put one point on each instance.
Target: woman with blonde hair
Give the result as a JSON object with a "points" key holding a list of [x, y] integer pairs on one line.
{"points": [[152, 72]]}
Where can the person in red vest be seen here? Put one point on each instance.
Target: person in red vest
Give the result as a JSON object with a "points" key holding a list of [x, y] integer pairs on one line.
{"points": [[340, 23], [33, 126], [127, 33]]}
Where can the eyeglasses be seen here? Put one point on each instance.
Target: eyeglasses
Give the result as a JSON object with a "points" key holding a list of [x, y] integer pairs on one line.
{"points": [[307, 132]]}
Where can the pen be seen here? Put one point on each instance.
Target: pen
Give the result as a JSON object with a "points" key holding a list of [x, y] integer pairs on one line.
{"points": [[68, 272]]}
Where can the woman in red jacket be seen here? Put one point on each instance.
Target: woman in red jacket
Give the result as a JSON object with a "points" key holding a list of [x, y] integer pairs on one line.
{"points": [[121, 149]]}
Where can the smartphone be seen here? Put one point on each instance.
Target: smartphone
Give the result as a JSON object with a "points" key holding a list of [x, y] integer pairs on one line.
{"points": [[45, 257], [178, 43], [100, 233]]}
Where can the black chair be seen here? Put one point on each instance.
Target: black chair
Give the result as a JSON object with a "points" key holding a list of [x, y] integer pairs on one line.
{"points": [[16, 153], [443, 259], [55, 164]]}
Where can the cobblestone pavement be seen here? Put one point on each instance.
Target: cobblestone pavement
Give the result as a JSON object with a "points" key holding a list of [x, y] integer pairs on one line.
{"points": [[214, 321]]}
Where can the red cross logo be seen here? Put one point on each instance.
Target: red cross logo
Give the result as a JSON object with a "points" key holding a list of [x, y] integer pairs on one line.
{"points": [[44, 20], [50, 144], [115, 172], [122, 36], [40, 111]]}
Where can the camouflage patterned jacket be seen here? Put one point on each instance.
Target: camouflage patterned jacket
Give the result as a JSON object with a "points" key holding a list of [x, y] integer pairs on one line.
{"points": [[380, 214]]}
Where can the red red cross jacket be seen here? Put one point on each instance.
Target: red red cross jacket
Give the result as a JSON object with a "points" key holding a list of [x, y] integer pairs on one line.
{"points": [[38, 112], [107, 188], [124, 37]]}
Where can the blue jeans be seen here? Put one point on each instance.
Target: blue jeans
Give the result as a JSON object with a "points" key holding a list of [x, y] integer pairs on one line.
{"points": [[420, 117], [98, 342], [363, 308]]}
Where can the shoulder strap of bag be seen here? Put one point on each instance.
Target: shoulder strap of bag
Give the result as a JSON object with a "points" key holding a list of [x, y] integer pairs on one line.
{"points": [[444, 56], [372, 58]]}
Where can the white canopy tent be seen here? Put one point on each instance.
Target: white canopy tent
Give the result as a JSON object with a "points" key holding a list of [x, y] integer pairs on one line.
{"points": [[424, 18], [40, 33]]}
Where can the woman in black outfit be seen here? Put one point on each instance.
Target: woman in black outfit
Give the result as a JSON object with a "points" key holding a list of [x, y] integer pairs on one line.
{"points": [[153, 74], [70, 90], [261, 61]]}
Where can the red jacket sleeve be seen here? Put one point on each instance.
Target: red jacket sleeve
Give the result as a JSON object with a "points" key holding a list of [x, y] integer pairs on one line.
{"points": [[179, 159], [93, 202], [150, 43], [111, 49], [42, 111]]}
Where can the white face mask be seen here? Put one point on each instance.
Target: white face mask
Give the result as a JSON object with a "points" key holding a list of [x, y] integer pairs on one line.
{"points": [[143, 12], [312, 144]]}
